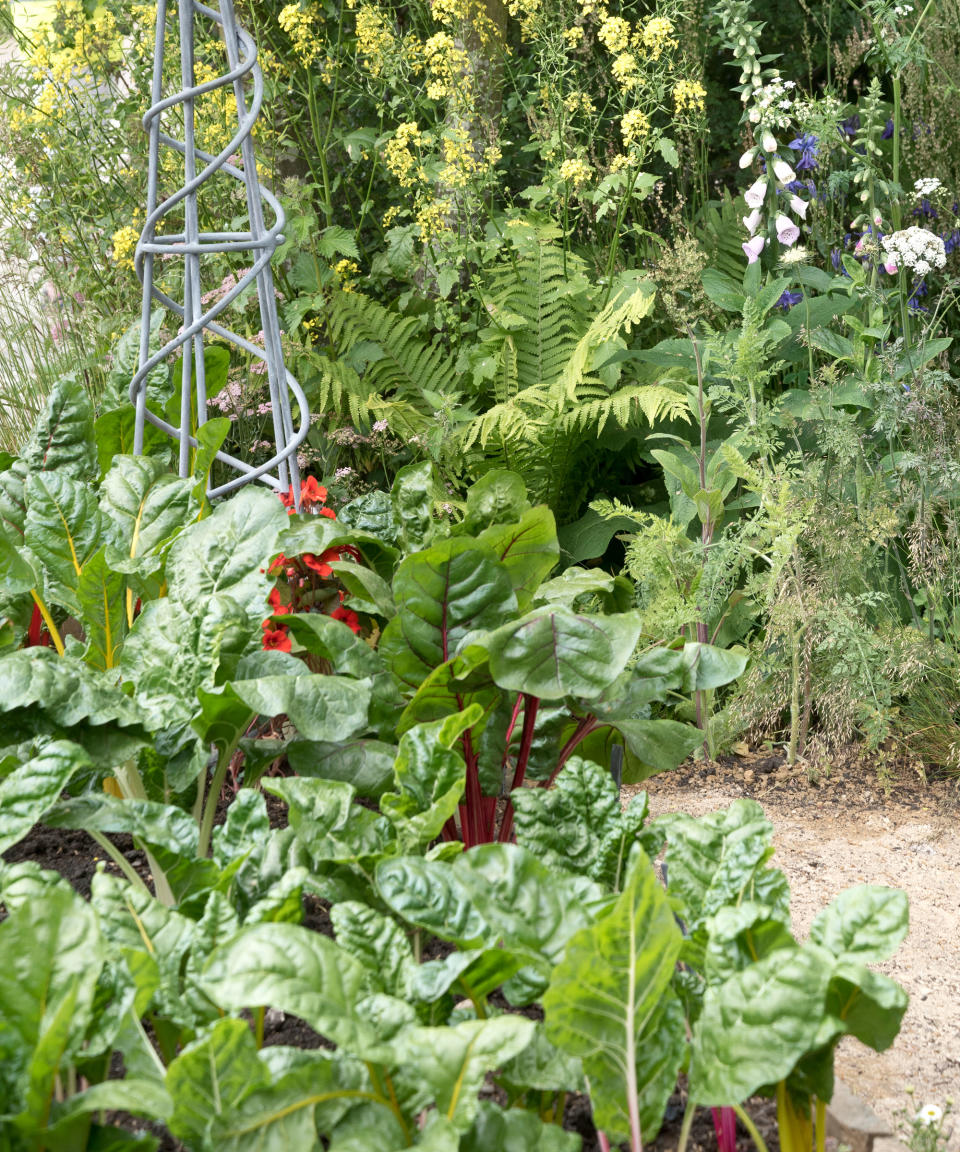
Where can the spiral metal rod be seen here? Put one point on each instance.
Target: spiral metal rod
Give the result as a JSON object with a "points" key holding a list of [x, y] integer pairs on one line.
{"points": [[261, 241]]}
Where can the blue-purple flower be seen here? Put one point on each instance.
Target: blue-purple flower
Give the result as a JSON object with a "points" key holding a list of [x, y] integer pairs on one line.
{"points": [[807, 146], [788, 299]]}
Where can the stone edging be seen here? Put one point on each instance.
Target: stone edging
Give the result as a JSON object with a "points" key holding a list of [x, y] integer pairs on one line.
{"points": [[852, 1122]]}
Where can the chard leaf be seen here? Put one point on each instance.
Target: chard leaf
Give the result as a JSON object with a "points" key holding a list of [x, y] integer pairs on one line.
{"points": [[63, 530], [328, 824], [145, 506], [63, 439], [712, 860], [30, 790], [321, 707], [101, 602], [247, 825], [301, 972], [378, 942], [498, 497], [529, 551], [565, 826], [225, 553], [454, 1061], [656, 746], [543, 1067], [330, 639], [608, 1003], [556, 653], [756, 1025], [870, 1005], [366, 764], [442, 594], [738, 935], [16, 574], [515, 1130], [64, 689], [430, 778], [865, 924]]}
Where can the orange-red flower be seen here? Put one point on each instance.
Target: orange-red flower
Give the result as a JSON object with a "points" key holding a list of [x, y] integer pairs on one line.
{"points": [[350, 618], [278, 606], [312, 493], [321, 564], [276, 639], [278, 563]]}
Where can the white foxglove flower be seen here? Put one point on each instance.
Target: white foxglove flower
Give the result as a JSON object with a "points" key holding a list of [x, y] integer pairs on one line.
{"points": [[756, 193], [753, 248], [799, 206], [747, 158], [768, 142], [783, 172], [752, 222], [787, 232]]}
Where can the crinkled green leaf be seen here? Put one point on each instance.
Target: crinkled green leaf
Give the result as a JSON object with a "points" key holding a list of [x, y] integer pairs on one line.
{"points": [[740, 934], [16, 574], [366, 764], [145, 506], [320, 707], [328, 824], [870, 1005], [656, 746], [30, 790], [515, 1130], [865, 924], [301, 972], [102, 605], [63, 530], [330, 639], [453, 1061], [544, 1067], [712, 859], [247, 824], [225, 553], [378, 942], [756, 1025], [555, 653], [442, 594], [606, 1003], [64, 689], [528, 550], [62, 440], [498, 497]]}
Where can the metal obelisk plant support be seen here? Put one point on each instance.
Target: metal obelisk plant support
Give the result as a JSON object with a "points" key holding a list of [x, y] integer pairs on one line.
{"points": [[192, 245]]}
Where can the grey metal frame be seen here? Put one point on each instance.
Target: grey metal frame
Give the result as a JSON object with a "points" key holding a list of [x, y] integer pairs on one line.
{"points": [[281, 471]]}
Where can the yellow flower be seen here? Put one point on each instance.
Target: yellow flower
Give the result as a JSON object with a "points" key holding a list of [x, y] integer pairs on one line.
{"points": [[301, 24], [433, 219], [579, 101], [625, 69], [657, 36], [447, 66], [345, 270], [614, 35], [375, 39], [124, 245], [573, 36], [575, 172], [399, 158], [634, 127], [689, 94]]}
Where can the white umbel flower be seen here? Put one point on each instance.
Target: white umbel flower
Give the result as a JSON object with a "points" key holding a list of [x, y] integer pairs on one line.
{"points": [[926, 186], [916, 248]]}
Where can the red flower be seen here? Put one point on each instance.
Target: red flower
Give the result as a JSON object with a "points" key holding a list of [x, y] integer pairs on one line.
{"points": [[278, 563], [322, 565], [276, 640], [312, 493], [329, 513], [279, 608], [350, 618]]}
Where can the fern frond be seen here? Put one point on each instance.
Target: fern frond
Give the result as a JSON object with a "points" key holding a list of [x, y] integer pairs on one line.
{"points": [[608, 323], [654, 401]]}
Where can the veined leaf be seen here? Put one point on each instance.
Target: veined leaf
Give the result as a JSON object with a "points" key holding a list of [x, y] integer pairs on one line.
{"points": [[30, 790], [63, 439], [606, 1004], [63, 530], [145, 505]]}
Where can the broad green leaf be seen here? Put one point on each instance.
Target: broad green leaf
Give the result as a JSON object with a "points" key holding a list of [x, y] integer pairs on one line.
{"points": [[515, 1130], [101, 599], [656, 746], [740, 934], [328, 824], [247, 824], [555, 653], [710, 667], [225, 553], [543, 1067], [498, 497], [415, 490], [63, 688], [573, 582], [16, 574], [453, 1062], [330, 639], [452, 687], [320, 707], [145, 505], [565, 826], [378, 942], [712, 860], [756, 1025], [430, 776], [30, 790], [865, 924], [63, 440], [528, 550], [301, 972], [369, 592], [366, 764], [870, 1004], [63, 530], [442, 594], [605, 1004], [51, 954], [140, 1097]]}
